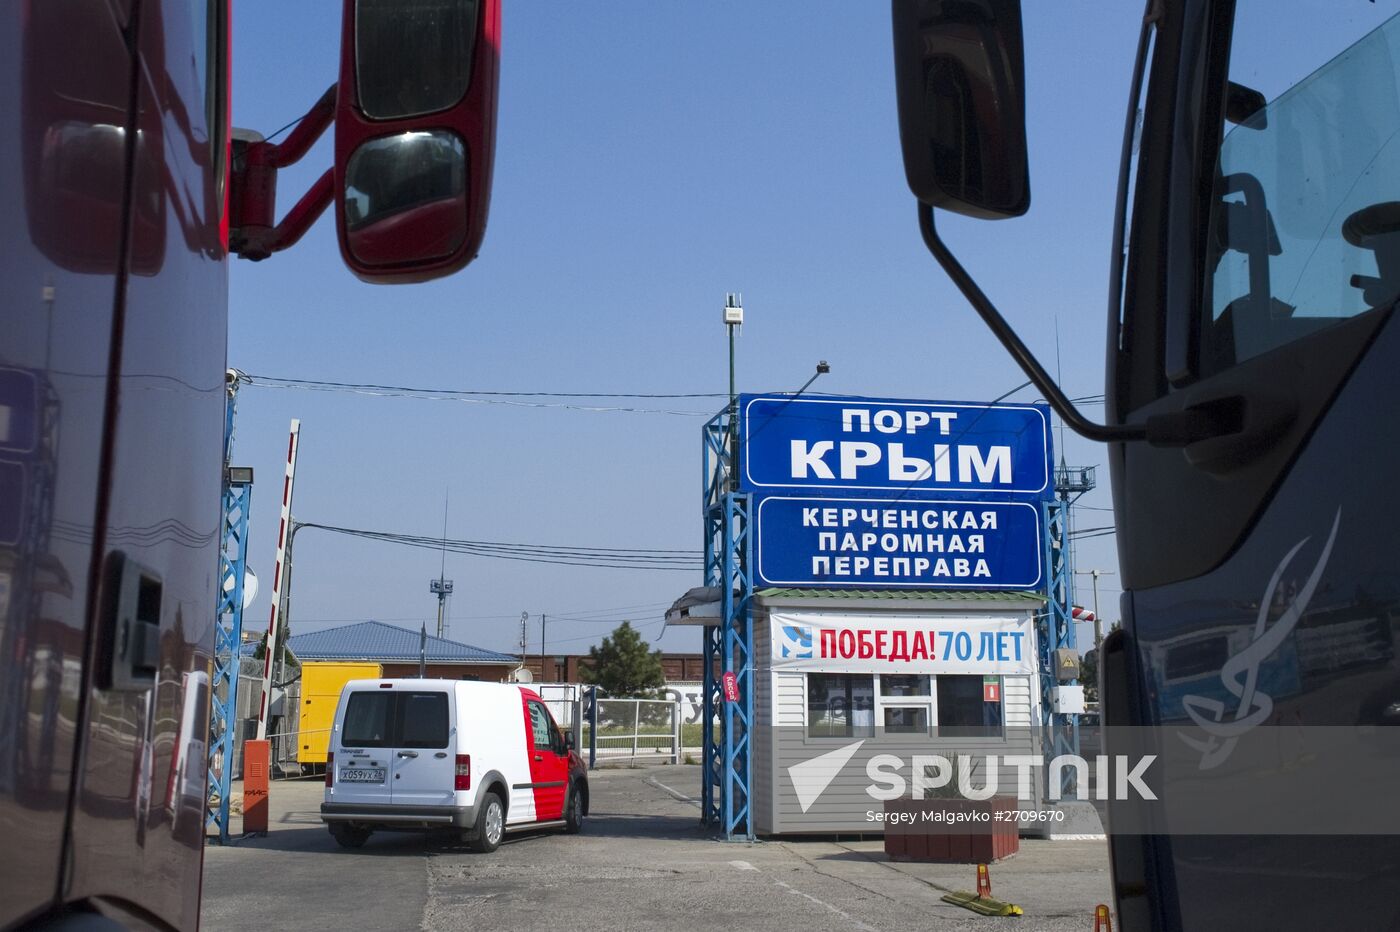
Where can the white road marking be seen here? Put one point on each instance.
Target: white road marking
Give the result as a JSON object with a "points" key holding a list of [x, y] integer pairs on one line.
{"points": [[742, 866], [675, 794], [847, 916]]}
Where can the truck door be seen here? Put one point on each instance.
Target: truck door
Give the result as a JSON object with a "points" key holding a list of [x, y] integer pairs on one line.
{"points": [[424, 768], [1260, 296], [159, 518], [549, 764], [63, 125]]}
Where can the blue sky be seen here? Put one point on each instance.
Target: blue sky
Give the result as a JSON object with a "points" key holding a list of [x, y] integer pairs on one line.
{"points": [[651, 157]]}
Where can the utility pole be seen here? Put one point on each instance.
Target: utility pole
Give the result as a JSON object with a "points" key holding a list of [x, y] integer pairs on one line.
{"points": [[442, 587], [1098, 619], [544, 620], [733, 317]]}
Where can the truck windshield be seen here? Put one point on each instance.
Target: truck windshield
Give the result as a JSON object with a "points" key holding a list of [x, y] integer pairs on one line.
{"points": [[1305, 226]]}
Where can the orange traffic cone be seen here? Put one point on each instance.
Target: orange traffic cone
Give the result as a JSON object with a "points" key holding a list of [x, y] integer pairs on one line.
{"points": [[1103, 920], [984, 882]]}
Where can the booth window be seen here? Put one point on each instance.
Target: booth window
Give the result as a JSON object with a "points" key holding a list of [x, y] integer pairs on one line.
{"points": [[906, 704], [962, 710], [840, 705]]}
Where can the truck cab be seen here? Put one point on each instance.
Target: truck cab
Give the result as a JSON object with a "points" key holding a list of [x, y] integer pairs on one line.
{"points": [[1251, 349], [113, 136], [124, 203]]}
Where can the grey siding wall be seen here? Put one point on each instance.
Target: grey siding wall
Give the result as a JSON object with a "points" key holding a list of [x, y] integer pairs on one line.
{"points": [[1021, 701], [763, 776]]}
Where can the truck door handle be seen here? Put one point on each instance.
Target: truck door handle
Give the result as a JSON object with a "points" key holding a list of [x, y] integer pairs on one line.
{"points": [[1222, 432], [408, 753], [538, 757], [1260, 417], [130, 625]]}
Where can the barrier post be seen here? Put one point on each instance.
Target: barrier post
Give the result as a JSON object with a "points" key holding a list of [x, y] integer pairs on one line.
{"points": [[636, 726], [256, 760], [593, 728], [984, 881]]}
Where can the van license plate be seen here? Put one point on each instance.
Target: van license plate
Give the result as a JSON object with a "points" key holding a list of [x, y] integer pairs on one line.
{"points": [[362, 775]]}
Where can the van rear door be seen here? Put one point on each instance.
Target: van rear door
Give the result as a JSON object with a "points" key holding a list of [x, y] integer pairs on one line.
{"points": [[363, 748], [423, 765]]}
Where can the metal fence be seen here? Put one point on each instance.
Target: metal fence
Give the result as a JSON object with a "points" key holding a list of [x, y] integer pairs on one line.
{"points": [[634, 730], [282, 722]]}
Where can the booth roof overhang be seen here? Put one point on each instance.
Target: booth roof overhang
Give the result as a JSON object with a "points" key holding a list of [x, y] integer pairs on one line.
{"points": [[701, 606]]}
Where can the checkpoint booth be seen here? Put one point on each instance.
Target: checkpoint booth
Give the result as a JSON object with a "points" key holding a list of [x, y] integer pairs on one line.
{"points": [[882, 584], [926, 687], [843, 676]]}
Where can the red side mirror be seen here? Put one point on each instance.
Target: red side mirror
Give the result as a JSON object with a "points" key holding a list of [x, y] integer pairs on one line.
{"points": [[415, 132]]}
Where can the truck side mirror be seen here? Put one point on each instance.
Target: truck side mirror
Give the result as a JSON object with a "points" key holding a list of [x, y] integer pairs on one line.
{"points": [[568, 741], [415, 130], [960, 78]]}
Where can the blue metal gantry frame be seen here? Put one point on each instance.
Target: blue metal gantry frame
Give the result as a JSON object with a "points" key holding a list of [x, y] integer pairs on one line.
{"points": [[38, 472], [727, 771], [1059, 733], [726, 801], [228, 636]]}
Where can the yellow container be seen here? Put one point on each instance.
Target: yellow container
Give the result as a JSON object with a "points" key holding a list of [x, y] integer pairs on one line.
{"points": [[321, 683]]}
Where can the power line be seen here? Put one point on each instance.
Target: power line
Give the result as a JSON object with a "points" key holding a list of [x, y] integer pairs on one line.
{"points": [[387, 620], [269, 381], [581, 614], [594, 637], [615, 615], [602, 557], [466, 396], [490, 396]]}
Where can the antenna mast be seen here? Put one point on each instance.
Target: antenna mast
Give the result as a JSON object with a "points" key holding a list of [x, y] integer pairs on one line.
{"points": [[442, 587]]}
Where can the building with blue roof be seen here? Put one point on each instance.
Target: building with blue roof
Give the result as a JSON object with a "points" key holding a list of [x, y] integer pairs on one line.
{"points": [[397, 651]]}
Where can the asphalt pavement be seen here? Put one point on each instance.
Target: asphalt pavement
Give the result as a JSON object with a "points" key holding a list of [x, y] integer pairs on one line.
{"points": [[643, 862]]}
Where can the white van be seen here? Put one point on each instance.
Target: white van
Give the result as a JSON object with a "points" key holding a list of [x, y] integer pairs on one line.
{"points": [[482, 759]]}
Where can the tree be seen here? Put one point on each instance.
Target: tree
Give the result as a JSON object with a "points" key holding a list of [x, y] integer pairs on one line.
{"points": [[622, 665], [1089, 670], [1089, 674]]}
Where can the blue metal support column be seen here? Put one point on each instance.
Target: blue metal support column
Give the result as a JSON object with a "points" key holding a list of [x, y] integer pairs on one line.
{"points": [[714, 480], [228, 635], [727, 765], [36, 471], [736, 603], [1055, 629], [713, 744]]}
